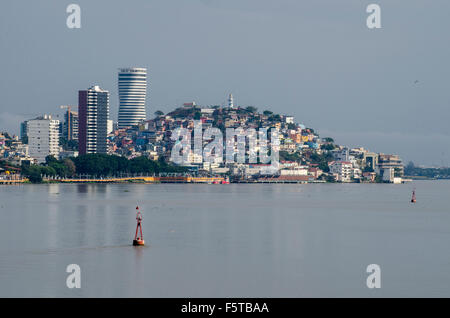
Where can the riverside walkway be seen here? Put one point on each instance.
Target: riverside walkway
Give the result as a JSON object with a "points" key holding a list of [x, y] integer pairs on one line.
{"points": [[147, 179], [13, 181]]}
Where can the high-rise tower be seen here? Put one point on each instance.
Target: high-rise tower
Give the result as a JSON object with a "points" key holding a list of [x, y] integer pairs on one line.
{"points": [[230, 101], [43, 137], [132, 93], [93, 113]]}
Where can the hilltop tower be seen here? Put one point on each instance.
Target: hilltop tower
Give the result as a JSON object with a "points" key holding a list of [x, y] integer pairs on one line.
{"points": [[230, 101]]}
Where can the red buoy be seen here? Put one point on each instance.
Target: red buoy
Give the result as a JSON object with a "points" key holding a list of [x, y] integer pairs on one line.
{"points": [[413, 198], [138, 240]]}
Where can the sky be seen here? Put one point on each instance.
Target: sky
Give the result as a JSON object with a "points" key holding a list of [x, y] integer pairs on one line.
{"points": [[387, 90]]}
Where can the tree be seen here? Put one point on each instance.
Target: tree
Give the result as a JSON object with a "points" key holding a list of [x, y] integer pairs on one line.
{"points": [[378, 179], [70, 167], [251, 109], [327, 147], [367, 169], [292, 126], [409, 169], [275, 118], [143, 164], [33, 173], [48, 171], [59, 168], [158, 113], [324, 166], [50, 159], [267, 112]]}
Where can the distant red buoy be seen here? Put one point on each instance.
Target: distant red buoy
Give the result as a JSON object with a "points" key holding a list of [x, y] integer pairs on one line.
{"points": [[413, 198], [138, 240]]}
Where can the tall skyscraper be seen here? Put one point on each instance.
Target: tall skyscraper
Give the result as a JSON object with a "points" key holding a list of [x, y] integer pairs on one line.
{"points": [[93, 113], [43, 137], [132, 92]]}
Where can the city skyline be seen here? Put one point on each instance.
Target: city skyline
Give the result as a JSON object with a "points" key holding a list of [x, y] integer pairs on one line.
{"points": [[382, 89]]}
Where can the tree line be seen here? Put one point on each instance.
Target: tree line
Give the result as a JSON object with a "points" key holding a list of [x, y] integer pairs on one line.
{"points": [[96, 165], [432, 173]]}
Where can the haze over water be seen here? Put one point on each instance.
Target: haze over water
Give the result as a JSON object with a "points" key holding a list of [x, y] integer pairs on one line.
{"points": [[233, 240]]}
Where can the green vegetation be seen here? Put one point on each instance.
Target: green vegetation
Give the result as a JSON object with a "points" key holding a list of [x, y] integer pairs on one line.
{"points": [[274, 118], [378, 179], [251, 109], [96, 165], [327, 146], [322, 160], [432, 173], [52, 167], [197, 115], [110, 165], [286, 156]]}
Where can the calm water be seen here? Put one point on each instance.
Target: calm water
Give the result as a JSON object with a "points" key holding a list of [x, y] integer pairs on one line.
{"points": [[225, 240]]}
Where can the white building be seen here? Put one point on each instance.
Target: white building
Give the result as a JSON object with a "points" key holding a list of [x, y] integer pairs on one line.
{"points": [[132, 95], [289, 119], [43, 137], [341, 154], [389, 175], [342, 169], [297, 171]]}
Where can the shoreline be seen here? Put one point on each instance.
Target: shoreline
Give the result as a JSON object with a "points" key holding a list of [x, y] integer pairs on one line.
{"points": [[197, 180]]}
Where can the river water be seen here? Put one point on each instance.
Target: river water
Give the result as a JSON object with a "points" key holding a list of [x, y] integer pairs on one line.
{"points": [[237, 240]]}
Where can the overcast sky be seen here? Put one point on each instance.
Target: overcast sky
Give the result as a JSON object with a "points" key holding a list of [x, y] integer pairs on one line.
{"points": [[314, 59]]}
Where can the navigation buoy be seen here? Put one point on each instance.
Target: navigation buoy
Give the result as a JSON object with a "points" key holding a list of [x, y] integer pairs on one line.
{"points": [[138, 240], [413, 198]]}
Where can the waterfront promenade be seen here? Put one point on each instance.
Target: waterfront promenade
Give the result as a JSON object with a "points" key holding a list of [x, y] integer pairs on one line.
{"points": [[147, 179]]}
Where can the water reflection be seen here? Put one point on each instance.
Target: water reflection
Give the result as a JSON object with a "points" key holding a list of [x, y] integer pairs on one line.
{"points": [[222, 241]]}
